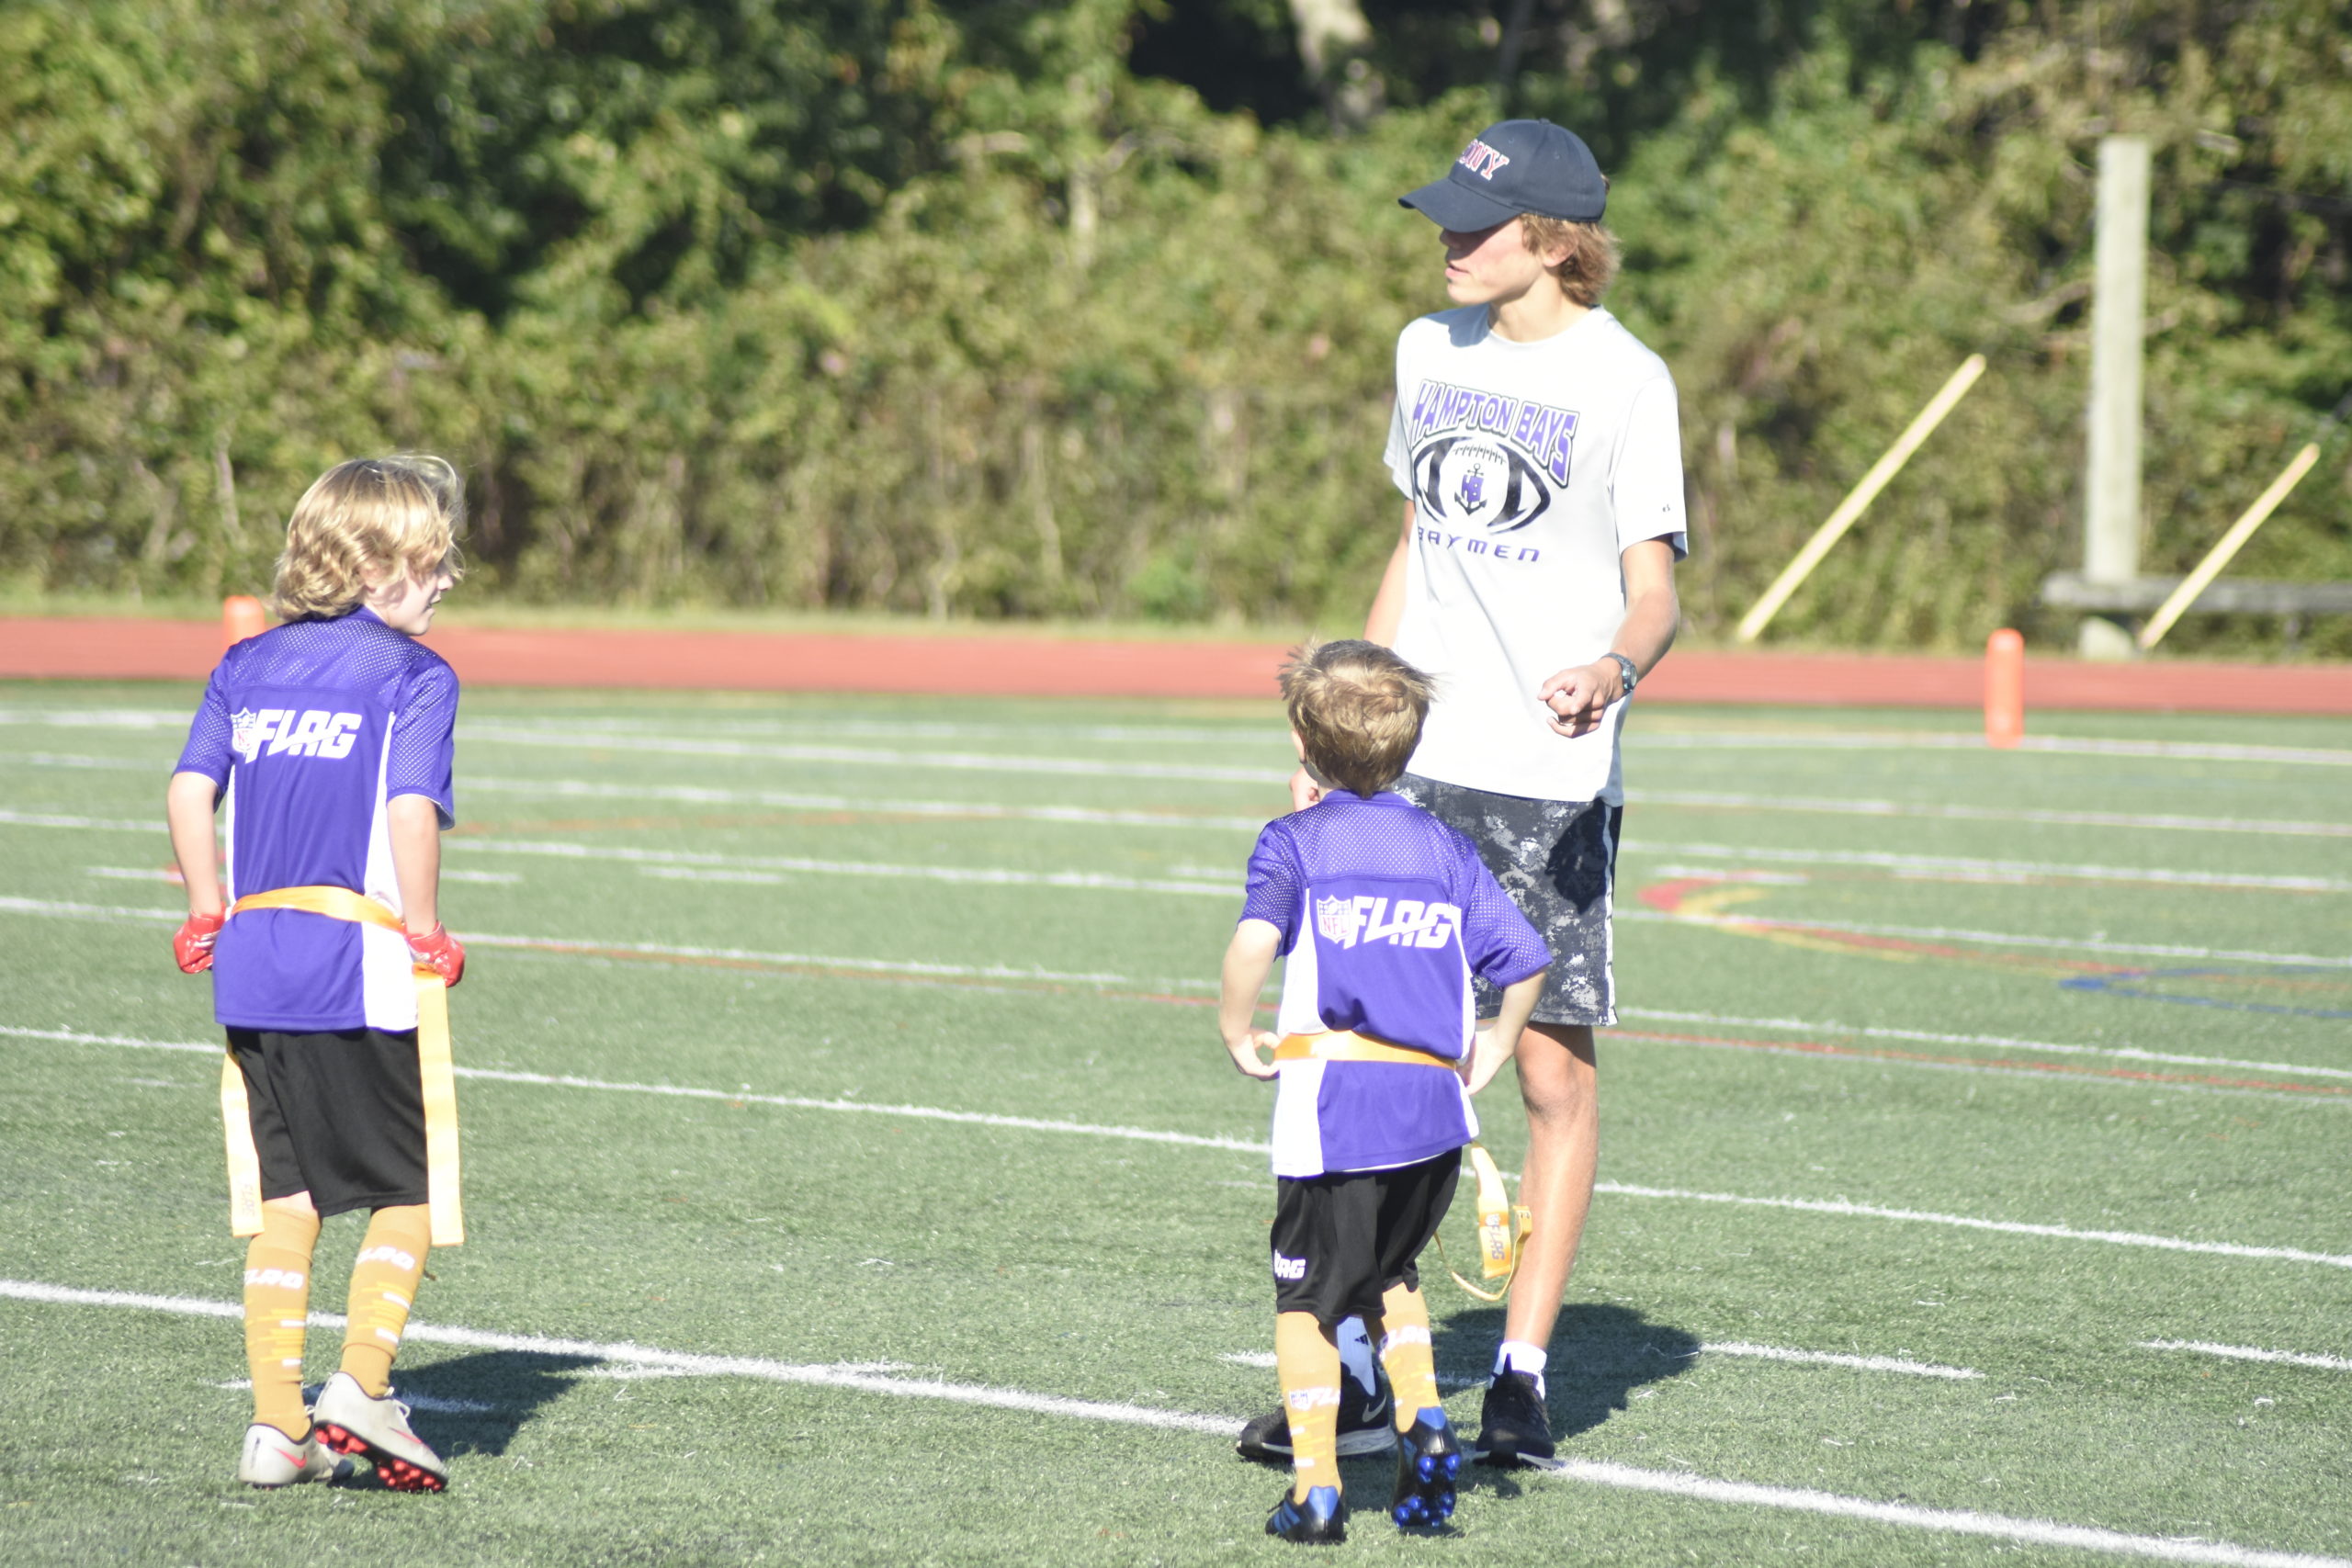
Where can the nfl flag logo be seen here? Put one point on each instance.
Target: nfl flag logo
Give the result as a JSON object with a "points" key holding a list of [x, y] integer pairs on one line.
{"points": [[1336, 918], [245, 733]]}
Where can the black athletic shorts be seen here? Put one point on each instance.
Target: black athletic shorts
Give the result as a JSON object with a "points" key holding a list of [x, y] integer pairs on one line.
{"points": [[340, 1116], [1557, 859], [1343, 1239]]}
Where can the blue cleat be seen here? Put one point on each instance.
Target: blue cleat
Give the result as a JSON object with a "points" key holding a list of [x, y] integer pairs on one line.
{"points": [[1428, 1460], [1321, 1520]]}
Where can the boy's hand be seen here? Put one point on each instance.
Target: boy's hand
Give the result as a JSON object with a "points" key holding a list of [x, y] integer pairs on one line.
{"points": [[192, 943], [439, 952], [1245, 1054], [1486, 1056]]}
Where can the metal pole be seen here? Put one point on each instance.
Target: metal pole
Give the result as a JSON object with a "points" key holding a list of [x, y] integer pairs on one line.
{"points": [[2111, 487], [2208, 568]]}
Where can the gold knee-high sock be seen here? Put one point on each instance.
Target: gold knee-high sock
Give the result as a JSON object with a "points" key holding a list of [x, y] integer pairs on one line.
{"points": [[1306, 1358], [1405, 1353], [278, 1302], [383, 1288]]}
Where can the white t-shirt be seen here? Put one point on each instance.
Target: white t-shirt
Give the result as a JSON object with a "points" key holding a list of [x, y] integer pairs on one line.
{"points": [[1532, 465]]}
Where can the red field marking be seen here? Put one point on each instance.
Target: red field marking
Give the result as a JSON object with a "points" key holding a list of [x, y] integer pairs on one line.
{"points": [[129, 648]]}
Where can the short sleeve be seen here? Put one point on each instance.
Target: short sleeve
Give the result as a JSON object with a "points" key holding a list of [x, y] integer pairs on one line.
{"points": [[424, 744], [211, 734], [1399, 453], [1500, 943], [1647, 482], [1276, 889]]}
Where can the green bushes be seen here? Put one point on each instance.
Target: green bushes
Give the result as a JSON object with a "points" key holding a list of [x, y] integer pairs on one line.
{"points": [[942, 308]]}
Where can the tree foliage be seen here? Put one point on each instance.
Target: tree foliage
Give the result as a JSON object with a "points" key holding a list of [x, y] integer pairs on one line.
{"points": [[1017, 307]]}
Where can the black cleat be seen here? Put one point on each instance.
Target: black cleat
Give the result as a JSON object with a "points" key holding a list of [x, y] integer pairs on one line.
{"points": [[1321, 1520], [1513, 1425], [1366, 1426], [1428, 1459]]}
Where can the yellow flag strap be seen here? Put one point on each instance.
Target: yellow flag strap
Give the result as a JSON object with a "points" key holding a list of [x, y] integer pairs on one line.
{"points": [[1503, 1229], [244, 1162], [434, 1068], [1345, 1046]]}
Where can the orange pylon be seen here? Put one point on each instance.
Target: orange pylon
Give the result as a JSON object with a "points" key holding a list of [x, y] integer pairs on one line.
{"points": [[240, 617], [2004, 689]]}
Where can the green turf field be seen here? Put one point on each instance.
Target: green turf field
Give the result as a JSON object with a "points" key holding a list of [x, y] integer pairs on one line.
{"points": [[846, 1099]]}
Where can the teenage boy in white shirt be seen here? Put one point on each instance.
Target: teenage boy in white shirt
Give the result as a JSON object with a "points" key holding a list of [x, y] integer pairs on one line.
{"points": [[1537, 444]]}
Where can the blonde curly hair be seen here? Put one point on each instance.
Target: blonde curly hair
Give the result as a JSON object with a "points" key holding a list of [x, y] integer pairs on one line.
{"points": [[365, 523]]}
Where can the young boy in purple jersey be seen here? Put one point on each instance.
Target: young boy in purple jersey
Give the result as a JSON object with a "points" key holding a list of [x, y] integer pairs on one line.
{"points": [[1384, 915], [326, 745]]}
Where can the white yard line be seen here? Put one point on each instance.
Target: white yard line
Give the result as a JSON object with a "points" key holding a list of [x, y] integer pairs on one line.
{"points": [[692, 794], [1840, 1207], [1265, 1359], [592, 946], [1639, 740], [1995, 939], [1949, 1521], [2034, 1532], [1972, 868], [1269, 737], [625, 1354], [2248, 1353], [862, 757], [1830, 805], [2000, 1042]]}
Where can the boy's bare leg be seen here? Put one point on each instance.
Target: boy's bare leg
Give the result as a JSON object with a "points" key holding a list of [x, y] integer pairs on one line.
{"points": [[1557, 1080]]}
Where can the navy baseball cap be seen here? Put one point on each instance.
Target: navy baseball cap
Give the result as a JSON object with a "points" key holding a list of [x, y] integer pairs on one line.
{"points": [[1515, 166]]}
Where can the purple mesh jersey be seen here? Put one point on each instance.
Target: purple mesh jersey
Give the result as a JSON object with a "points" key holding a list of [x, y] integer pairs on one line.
{"points": [[307, 731], [1384, 914]]}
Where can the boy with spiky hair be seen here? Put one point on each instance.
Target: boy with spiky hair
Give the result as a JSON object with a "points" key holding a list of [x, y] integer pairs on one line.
{"points": [[1384, 915], [327, 743]]}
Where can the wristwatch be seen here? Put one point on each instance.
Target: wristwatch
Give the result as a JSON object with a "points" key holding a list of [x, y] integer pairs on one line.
{"points": [[1626, 666]]}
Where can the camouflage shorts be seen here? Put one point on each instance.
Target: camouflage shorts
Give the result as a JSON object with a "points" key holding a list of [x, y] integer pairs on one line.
{"points": [[1557, 859]]}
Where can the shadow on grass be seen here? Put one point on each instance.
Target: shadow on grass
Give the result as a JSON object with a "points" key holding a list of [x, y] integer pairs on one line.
{"points": [[1600, 1354], [475, 1404]]}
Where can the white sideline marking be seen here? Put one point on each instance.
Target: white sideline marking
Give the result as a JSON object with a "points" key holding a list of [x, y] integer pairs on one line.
{"points": [[1929, 1037], [1962, 740], [1828, 806], [590, 946], [829, 1376], [98, 718], [1995, 939], [1843, 1208], [61, 759], [1269, 736], [687, 866], [1974, 869], [1831, 1359], [858, 756], [56, 819], [1949, 1521], [2247, 1353], [2037, 1532], [1265, 1359], [919, 970], [1837, 1207], [693, 794]]}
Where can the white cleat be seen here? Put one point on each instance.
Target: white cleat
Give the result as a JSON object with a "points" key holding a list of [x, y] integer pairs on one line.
{"points": [[271, 1459], [351, 1422]]}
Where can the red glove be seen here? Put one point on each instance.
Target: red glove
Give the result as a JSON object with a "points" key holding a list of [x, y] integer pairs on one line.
{"points": [[192, 943], [439, 952]]}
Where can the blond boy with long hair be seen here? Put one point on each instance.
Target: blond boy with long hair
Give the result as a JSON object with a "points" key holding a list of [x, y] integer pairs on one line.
{"points": [[326, 745]]}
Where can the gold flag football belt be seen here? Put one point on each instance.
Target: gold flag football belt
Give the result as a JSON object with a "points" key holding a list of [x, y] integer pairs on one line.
{"points": [[1503, 1225], [1503, 1229], [1345, 1046], [433, 1068]]}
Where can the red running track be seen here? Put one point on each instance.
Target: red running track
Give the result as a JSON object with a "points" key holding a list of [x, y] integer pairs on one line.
{"points": [[94, 648]]}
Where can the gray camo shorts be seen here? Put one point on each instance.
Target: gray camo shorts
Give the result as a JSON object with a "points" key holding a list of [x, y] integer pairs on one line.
{"points": [[1557, 859]]}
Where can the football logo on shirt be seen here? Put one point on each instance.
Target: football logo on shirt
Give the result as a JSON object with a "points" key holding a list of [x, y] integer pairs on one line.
{"points": [[1481, 460], [312, 732]]}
